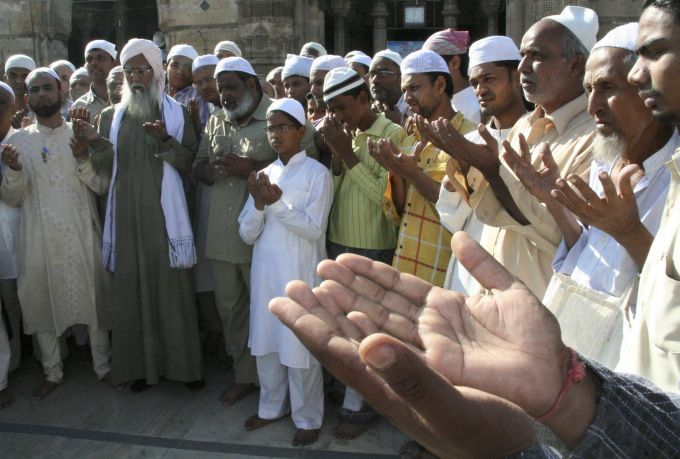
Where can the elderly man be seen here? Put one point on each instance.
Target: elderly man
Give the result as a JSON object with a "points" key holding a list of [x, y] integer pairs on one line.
{"points": [[114, 84], [100, 58], [227, 48], [64, 69], [148, 242], [295, 78], [17, 68], [452, 45], [60, 280], [313, 50], [274, 79], [79, 84], [417, 168], [384, 79]]}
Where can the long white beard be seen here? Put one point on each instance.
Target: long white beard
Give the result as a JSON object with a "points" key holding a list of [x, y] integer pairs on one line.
{"points": [[140, 102], [242, 107], [607, 148]]}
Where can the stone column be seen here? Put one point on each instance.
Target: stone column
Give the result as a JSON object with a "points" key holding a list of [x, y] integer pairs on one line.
{"points": [[340, 11], [379, 26], [490, 9], [450, 13]]}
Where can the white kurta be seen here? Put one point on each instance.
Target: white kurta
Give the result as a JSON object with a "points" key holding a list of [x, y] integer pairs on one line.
{"points": [[465, 101], [60, 278], [289, 238]]}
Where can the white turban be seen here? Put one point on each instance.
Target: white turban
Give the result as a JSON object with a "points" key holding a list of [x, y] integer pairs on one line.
{"points": [[204, 61], [229, 46], [327, 62], [582, 22], [104, 45], [19, 61], [63, 63], [387, 54], [234, 64], [290, 106], [152, 53], [624, 37], [42, 71], [321, 51], [296, 66], [185, 50], [365, 60], [493, 49], [339, 81], [79, 72], [8, 89], [423, 61]]}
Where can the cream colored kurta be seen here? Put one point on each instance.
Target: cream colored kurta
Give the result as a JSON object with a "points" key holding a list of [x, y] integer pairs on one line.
{"points": [[60, 276], [652, 347], [527, 250]]}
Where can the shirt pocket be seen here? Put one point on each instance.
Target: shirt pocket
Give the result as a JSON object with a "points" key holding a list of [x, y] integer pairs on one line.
{"points": [[296, 198], [664, 309]]}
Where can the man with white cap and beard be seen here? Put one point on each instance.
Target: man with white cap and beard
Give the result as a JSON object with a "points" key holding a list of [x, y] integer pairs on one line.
{"points": [[295, 78], [148, 241], [17, 68], [384, 79], [60, 279], [100, 58]]}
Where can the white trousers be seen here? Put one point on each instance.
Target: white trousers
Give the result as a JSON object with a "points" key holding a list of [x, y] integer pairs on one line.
{"points": [[50, 354], [5, 353], [353, 400], [284, 389]]}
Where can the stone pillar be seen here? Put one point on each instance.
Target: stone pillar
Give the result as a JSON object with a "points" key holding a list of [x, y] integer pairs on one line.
{"points": [[379, 26], [340, 11], [490, 9], [450, 13]]}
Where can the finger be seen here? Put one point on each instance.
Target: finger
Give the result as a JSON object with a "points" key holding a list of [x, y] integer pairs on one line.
{"points": [[483, 267], [608, 187], [488, 138], [363, 323], [510, 155], [524, 149], [329, 307], [566, 196], [588, 194], [625, 181], [547, 157]]}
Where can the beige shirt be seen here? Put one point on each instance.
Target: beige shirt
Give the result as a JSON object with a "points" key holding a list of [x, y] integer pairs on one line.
{"points": [[94, 104], [527, 250], [651, 349]]}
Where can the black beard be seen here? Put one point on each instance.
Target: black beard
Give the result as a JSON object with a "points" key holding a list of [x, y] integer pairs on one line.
{"points": [[46, 110]]}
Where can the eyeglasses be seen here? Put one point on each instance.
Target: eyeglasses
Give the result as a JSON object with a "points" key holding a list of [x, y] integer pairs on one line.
{"points": [[139, 71], [382, 73], [279, 128]]}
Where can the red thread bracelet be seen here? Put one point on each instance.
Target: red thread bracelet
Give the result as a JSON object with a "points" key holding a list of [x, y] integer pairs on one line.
{"points": [[576, 373]]}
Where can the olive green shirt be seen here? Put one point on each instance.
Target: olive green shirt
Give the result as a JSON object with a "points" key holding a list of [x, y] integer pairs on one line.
{"points": [[95, 105]]}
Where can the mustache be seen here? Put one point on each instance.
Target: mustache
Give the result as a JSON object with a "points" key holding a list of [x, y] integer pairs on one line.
{"points": [[137, 87]]}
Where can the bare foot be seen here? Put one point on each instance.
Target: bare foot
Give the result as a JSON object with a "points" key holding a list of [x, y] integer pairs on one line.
{"points": [[414, 450], [109, 380], [349, 431], [6, 398], [255, 422], [44, 390], [236, 393], [305, 437]]}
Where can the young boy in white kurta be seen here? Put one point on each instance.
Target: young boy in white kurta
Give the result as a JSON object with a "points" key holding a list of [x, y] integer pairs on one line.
{"points": [[285, 217]]}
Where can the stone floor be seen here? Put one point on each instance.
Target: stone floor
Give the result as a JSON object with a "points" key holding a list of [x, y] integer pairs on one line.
{"points": [[86, 418]]}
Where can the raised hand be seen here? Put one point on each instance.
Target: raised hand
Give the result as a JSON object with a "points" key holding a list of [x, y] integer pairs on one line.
{"points": [[80, 148], [195, 114], [156, 130], [540, 182], [389, 156], [10, 156], [84, 131], [238, 165], [267, 192], [482, 156], [79, 113]]}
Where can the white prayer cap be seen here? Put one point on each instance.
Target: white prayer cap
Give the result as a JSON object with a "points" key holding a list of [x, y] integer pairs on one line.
{"points": [[296, 66], [388, 54], [339, 81], [493, 49], [273, 72], [115, 71], [327, 62], [204, 61], [448, 42], [19, 61], [63, 63], [582, 22], [104, 45], [79, 72], [320, 50], [234, 64], [185, 50], [229, 46], [8, 89], [290, 106], [42, 71], [624, 36], [351, 54], [423, 61], [365, 60]]}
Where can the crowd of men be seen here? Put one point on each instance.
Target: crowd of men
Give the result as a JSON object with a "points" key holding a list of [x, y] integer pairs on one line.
{"points": [[306, 221]]}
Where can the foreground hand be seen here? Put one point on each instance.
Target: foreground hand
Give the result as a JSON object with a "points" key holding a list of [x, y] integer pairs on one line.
{"points": [[267, 192], [19, 119], [540, 182], [388, 155], [156, 130], [238, 165], [10, 156], [449, 421], [84, 131], [336, 136], [80, 148], [484, 157], [79, 113]]}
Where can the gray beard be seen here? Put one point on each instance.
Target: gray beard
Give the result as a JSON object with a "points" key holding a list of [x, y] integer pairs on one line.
{"points": [[242, 107], [140, 103], [607, 149]]}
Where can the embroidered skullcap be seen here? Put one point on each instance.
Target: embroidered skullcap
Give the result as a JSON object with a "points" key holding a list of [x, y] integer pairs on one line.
{"points": [[365, 60], [229, 46], [581, 21], [353, 53], [234, 64], [19, 61], [388, 54], [80, 71], [624, 36], [296, 66], [290, 106], [185, 50], [204, 61], [423, 61], [63, 63], [327, 62], [321, 51], [42, 71], [448, 42], [339, 81], [104, 45], [8, 89], [493, 49]]}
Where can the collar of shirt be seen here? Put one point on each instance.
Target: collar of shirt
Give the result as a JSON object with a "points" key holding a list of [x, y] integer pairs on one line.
{"points": [[296, 158], [563, 115], [50, 131], [92, 96]]}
